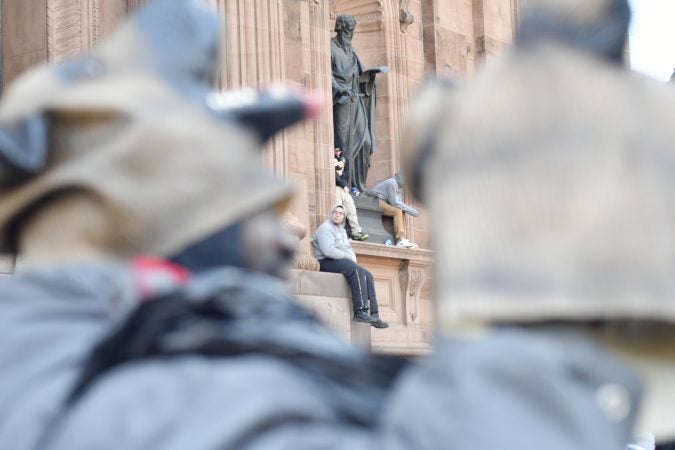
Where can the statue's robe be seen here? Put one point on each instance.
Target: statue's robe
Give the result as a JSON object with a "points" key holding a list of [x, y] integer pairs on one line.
{"points": [[353, 118]]}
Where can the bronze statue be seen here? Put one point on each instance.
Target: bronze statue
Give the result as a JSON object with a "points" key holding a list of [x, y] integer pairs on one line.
{"points": [[353, 102]]}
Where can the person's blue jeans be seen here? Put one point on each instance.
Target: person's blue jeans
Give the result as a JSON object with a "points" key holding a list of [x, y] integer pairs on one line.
{"points": [[360, 282]]}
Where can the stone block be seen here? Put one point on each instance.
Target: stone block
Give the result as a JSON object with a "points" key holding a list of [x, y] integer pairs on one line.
{"points": [[320, 284], [327, 295]]}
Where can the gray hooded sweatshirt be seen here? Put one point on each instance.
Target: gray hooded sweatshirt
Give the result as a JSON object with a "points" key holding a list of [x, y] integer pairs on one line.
{"points": [[331, 241], [389, 191]]}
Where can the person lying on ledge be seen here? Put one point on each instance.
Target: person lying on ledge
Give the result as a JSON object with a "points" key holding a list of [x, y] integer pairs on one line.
{"points": [[389, 193]]}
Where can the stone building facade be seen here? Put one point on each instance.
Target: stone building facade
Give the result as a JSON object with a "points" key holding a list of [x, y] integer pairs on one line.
{"points": [[288, 40]]}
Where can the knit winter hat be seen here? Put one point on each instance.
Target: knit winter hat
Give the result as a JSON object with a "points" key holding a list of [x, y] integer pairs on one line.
{"points": [[549, 179]]}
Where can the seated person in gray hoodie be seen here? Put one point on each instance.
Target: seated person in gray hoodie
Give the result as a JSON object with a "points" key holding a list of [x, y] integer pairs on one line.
{"points": [[388, 191], [335, 254]]}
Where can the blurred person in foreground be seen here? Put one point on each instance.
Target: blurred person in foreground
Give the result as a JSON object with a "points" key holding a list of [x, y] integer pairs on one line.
{"points": [[118, 154], [549, 178]]}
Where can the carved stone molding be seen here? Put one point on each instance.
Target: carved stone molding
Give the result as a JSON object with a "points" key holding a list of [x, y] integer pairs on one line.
{"points": [[74, 26], [368, 14], [91, 15], [412, 279], [67, 33]]}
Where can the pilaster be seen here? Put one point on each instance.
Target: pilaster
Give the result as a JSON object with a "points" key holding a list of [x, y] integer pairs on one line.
{"points": [[24, 36], [495, 23]]}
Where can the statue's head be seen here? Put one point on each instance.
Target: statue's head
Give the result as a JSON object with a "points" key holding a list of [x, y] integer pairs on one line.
{"points": [[344, 26], [599, 27], [120, 152]]}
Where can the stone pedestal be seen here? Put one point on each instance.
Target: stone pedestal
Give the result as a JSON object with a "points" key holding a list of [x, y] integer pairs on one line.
{"points": [[380, 228], [404, 286]]}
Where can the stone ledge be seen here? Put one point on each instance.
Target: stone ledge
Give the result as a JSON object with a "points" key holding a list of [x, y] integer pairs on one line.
{"points": [[321, 284], [403, 350], [371, 249]]}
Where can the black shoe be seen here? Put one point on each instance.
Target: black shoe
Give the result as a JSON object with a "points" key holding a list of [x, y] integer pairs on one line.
{"points": [[363, 316], [377, 322]]}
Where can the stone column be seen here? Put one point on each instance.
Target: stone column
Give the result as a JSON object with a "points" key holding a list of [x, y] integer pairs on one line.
{"points": [[254, 55], [271, 41], [310, 144], [313, 158]]}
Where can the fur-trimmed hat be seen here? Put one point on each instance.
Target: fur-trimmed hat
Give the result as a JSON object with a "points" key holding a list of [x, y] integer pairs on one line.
{"points": [[549, 179], [121, 154]]}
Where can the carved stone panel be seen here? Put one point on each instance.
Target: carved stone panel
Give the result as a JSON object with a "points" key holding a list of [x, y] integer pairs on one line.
{"points": [[403, 281], [368, 13]]}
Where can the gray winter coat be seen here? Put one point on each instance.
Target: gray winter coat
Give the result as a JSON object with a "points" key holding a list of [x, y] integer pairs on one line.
{"points": [[513, 389], [331, 241]]}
